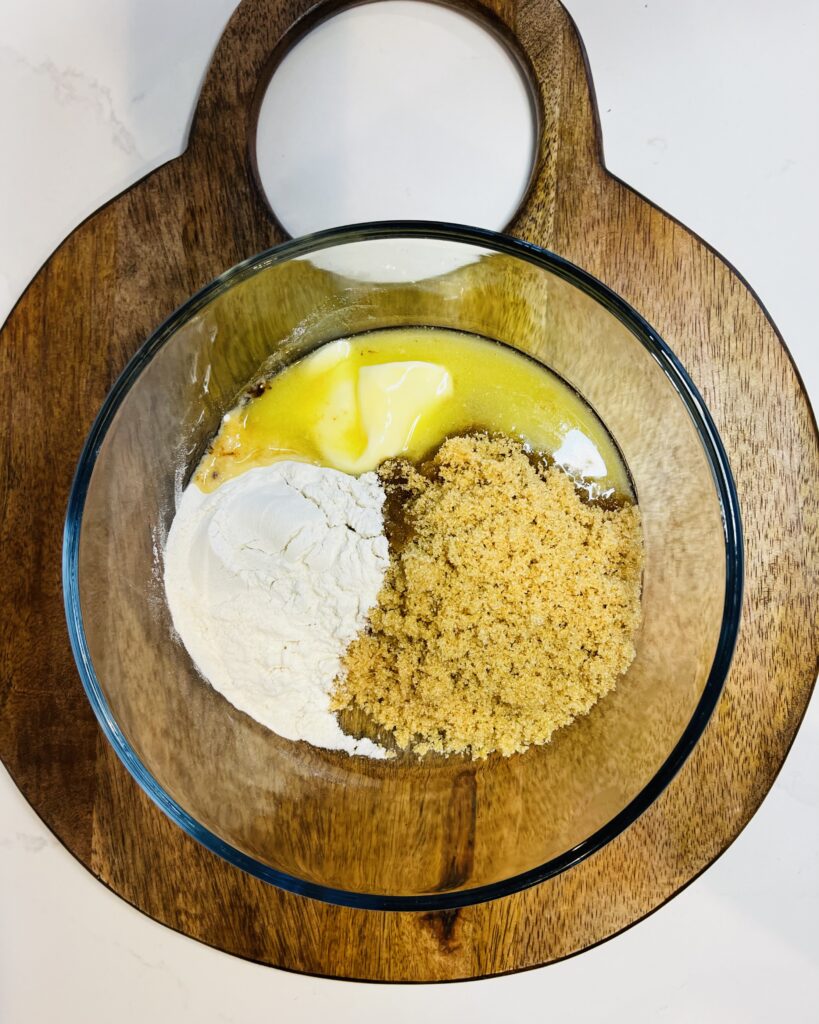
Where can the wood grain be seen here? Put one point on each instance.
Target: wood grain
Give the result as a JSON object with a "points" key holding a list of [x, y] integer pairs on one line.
{"points": [[118, 275]]}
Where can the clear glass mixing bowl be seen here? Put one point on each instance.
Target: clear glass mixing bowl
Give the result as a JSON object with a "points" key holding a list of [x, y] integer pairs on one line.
{"points": [[435, 833]]}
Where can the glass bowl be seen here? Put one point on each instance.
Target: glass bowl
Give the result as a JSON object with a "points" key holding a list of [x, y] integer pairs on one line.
{"points": [[437, 832]]}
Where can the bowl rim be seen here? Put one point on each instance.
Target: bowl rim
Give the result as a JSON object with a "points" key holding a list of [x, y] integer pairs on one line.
{"points": [[723, 480]]}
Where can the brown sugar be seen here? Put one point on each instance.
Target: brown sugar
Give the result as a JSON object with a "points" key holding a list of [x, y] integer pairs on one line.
{"points": [[509, 609]]}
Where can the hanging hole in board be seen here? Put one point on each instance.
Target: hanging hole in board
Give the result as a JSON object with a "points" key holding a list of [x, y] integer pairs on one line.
{"points": [[397, 110]]}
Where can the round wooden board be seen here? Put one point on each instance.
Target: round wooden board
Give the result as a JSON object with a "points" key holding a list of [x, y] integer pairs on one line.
{"points": [[118, 275]]}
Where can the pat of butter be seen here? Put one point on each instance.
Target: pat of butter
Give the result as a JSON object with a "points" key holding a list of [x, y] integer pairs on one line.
{"points": [[392, 398], [390, 401]]}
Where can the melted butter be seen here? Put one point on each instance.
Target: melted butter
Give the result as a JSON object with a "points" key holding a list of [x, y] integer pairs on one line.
{"points": [[353, 403]]}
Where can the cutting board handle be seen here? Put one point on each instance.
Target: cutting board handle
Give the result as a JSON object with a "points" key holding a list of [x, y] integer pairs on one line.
{"points": [[260, 33]]}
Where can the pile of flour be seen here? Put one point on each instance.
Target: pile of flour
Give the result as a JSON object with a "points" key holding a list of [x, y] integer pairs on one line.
{"points": [[268, 579]]}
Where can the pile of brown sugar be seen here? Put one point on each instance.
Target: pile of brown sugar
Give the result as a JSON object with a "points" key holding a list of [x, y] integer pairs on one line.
{"points": [[510, 606]]}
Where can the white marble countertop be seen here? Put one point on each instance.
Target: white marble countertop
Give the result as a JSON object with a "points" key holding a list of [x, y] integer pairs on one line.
{"points": [[708, 108]]}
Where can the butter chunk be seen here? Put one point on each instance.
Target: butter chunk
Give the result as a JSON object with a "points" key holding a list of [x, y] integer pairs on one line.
{"points": [[392, 399], [372, 418]]}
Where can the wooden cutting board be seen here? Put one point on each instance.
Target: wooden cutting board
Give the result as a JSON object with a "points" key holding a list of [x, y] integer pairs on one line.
{"points": [[122, 271]]}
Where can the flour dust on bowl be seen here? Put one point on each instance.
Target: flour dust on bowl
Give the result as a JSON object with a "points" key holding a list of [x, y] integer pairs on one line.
{"points": [[369, 813]]}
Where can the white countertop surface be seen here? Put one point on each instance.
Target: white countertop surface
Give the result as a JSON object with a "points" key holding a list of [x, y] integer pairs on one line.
{"points": [[709, 108]]}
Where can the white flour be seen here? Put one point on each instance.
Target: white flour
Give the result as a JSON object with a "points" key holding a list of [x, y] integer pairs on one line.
{"points": [[268, 579]]}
